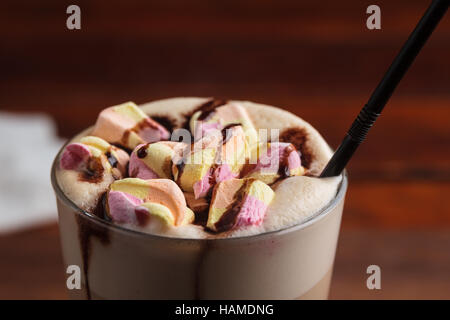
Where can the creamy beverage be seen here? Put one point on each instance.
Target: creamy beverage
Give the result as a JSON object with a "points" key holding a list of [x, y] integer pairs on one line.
{"points": [[196, 198]]}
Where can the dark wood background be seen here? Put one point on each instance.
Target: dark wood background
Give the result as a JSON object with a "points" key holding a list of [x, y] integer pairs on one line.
{"points": [[316, 59]]}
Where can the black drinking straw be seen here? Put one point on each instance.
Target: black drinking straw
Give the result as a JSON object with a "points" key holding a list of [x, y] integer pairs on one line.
{"points": [[370, 112]]}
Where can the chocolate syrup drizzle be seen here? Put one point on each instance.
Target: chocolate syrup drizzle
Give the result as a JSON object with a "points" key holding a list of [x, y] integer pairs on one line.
{"points": [[207, 109], [180, 167], [86, 231], [206, 246], [166, 121], [93, 172], [299, 138], [201, 216], [227, 132], [111, 159], [229, 219], [142, 152], [124, 140]]}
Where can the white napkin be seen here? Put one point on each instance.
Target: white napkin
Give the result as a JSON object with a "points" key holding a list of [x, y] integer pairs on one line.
{"points": [[28, 145]]}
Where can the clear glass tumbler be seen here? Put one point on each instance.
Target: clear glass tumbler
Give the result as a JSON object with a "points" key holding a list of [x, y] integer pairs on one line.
{"points": [[117, 263]]}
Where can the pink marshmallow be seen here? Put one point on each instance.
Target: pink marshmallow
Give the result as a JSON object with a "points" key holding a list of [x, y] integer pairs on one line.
{"points": [[114, 127], [154, 134], [202, 187], [252, 212], [204, 128], [138, 169], [74, 156], [122, 207], [294, 160], [269, 162], [223, 172]]}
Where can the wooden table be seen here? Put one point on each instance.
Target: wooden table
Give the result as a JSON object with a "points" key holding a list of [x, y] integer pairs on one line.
{"points": [[316, 59]]}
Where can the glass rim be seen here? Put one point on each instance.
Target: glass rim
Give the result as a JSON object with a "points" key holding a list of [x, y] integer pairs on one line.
{"points": [[317, 216]]}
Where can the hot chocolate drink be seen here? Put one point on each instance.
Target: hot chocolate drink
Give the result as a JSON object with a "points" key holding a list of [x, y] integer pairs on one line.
{"points": [[199, 198]]}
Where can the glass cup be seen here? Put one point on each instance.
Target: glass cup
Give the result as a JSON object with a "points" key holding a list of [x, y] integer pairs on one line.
{"points": [[118, 263]]}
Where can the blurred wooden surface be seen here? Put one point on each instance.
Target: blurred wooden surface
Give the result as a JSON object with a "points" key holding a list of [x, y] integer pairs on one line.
{"points": [[316, 59]]}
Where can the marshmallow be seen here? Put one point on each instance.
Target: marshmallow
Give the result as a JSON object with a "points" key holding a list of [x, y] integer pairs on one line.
{"points": [[92, 157], [216, 157], [194, 172], [75, 156], [232, 154], [138, 202], [238, 202], [116, 156], [127, 125], [154, 160], [202, 122], [199, 206], [275, 160]]}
